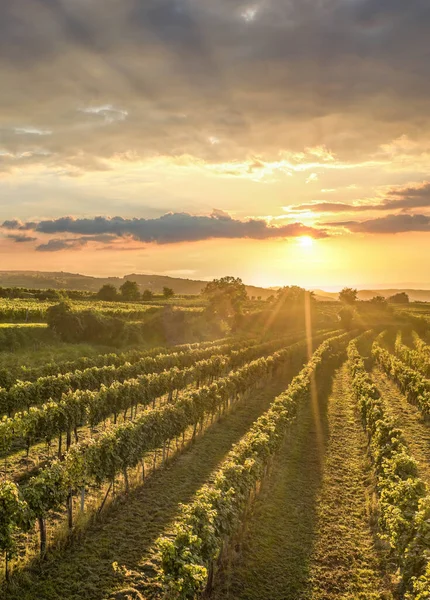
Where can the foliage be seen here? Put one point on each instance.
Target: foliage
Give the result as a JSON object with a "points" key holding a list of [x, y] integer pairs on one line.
{"points": [[206, 525], [84, 407], [225, 296], [168, 292], [290, 296], [418, 359], [400, 298], [379, 302], [404, 507], [147, 295], [25, 394], [15, 515], [130, 290], [410, 381], [122, 447], [9, 376], [108, 292], [348, 295], [64, 322]]}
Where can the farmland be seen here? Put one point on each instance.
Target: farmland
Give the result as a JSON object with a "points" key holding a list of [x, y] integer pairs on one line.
{"points": [[286, 457]]}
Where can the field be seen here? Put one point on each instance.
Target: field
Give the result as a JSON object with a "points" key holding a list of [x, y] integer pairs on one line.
{"points": [[288, 464], [35, 311]]}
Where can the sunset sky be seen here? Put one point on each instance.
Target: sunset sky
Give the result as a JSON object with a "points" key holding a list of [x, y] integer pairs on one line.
{"points": [[282, 141]]}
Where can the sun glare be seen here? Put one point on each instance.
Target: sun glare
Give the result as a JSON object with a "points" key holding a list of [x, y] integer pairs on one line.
{"points": [[305, 241]]}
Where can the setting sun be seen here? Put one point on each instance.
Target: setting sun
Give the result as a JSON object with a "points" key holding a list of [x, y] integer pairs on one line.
{"points": [[305, 241]]}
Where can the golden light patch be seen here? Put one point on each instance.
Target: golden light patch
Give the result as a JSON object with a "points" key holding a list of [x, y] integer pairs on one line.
{"points": [[305, 241]]}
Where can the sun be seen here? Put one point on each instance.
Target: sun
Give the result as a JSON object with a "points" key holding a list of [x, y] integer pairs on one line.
{"points": [[305, 241]]}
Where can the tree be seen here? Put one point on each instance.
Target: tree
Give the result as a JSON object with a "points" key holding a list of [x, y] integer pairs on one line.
{"points": [[379, 302], [225, 296], [348, 296], [168, 292], [130, 290], [107, 292], [400, 298], [293, 295], [147, 295]]}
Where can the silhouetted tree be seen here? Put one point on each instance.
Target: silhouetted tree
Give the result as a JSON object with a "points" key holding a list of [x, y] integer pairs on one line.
{"points": [[168, 292], [225, 296], [107, 292], [379, 302], [147, 295], [293, 295], [400, 298], [348, 296], [130, 290]]}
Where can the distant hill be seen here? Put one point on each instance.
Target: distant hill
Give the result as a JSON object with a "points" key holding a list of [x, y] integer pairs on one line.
{"points": [[73, 281], [414, 295]]}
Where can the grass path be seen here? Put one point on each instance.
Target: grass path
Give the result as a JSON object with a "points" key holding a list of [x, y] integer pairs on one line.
{"points": [[409, 420], [344, 563], [84, 570], [309, 537]]}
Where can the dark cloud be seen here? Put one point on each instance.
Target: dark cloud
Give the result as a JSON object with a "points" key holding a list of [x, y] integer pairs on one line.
{"points": [[409, 197], [404, 199], [15, 225], [55, 245], [401, 223], [21, 238], [167, 229], [176, 72]]}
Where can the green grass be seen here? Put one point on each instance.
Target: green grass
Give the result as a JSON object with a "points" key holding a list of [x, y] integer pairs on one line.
{"points": [[309, 536], [49, 352], [408, 418], [84, 569], [344, 563]]}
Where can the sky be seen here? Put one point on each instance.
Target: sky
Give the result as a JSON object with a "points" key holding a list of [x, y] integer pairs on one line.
{"points": [[281, 141]]}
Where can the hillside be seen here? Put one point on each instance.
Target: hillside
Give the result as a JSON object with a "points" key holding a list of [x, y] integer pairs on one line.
{"points": [[155, 283], [75, 281], [414, 295]]}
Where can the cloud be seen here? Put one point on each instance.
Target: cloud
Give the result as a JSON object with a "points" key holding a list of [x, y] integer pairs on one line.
{"points": [[348, 76], [312, 177], [168, 229], [417, 196], [400, 198], [390, 224], [21, 238], [330, 207], [56, 245]]}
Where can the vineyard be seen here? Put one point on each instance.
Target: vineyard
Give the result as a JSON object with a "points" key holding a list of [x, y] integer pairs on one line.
{"points": [[35, 311], [289, 465]]}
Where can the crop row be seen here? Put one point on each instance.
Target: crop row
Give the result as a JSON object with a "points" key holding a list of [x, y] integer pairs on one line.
{"points": [[25, 394], [410, 381], [8, 377], [85, 407], [418, 359], [125, 446], [188, 557], [404, 503], [36, 311], [420, 344]]}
